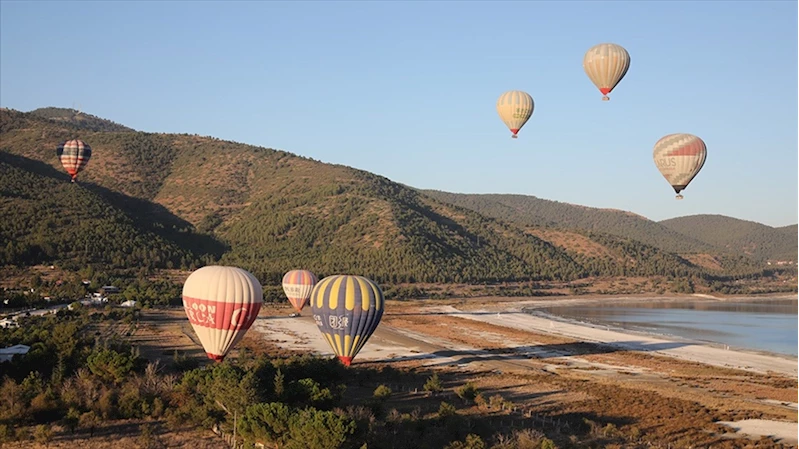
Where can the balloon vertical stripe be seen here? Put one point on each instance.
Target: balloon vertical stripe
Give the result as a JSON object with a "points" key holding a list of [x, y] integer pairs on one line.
{"points": [[347, 309]]}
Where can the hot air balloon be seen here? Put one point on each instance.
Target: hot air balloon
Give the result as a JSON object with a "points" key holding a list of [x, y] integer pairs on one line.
{"points": [[298, 284], [347, 309], [515, 108], [606, 65], [221, 303], [679, 157], [74, 155]]}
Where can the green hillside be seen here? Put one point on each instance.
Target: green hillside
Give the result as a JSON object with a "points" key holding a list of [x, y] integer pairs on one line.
{"points": [[754, 239], [47, 220], [179, 199], [532, 211]]}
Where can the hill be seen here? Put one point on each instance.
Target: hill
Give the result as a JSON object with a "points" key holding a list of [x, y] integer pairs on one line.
{"points": [[754, 239], [269, 211], [47, 220], [79, 120], [532, 211]]}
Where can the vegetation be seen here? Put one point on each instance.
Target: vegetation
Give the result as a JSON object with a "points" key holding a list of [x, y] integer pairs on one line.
{"points": [[714, 234], [79, 376], [754, 239], [150, 202]]}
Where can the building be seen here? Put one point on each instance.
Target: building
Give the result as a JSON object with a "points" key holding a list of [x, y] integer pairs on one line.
{"points": [[6, 354], [108, 289]]}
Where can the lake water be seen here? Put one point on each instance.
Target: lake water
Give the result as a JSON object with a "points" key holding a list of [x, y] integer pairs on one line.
{"points": [[763, 325]]}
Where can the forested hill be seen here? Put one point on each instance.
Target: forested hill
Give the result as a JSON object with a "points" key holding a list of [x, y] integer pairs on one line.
{"points": [[681, 235], [755, 239], [199, 200], [532, 211]]}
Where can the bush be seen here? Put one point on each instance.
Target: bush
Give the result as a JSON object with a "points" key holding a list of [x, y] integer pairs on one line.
{"points": [[467, 392], [433, 384], [382, 393]]}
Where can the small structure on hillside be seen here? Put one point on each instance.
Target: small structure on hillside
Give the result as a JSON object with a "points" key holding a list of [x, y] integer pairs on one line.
{"points": [[108, 290], [6, 354]]}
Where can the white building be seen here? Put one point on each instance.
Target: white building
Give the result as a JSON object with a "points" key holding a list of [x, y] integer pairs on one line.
{"points": [[6, 354]]}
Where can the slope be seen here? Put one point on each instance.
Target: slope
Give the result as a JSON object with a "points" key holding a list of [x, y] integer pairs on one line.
{"points": [[78, 119], [532, 211], [274, 211], [47, 220], [754, 239]]}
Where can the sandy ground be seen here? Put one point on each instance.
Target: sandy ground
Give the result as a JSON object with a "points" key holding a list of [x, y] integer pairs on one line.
{"points": [[393, 343]]}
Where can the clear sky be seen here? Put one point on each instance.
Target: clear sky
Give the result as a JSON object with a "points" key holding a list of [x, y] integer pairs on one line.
{"points": [[408, 89]]}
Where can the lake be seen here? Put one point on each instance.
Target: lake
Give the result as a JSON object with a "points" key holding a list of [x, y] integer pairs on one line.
{"points": [[762, 325]]}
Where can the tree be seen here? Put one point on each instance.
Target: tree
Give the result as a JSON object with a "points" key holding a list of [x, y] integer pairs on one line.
{"points": [[89, 420], [315, 429], [109, 365], [266, 423], [43, 434]]}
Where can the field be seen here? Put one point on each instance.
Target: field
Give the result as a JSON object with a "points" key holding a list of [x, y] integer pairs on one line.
{"points": [[544, 376]]}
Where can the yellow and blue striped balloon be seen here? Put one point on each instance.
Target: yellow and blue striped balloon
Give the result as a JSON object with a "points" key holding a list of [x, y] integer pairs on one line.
{"points": [[347, 309]]}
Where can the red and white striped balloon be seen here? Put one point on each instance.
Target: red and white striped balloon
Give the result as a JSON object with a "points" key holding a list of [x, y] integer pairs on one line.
{"points": [[74, 155], [221, 303]]}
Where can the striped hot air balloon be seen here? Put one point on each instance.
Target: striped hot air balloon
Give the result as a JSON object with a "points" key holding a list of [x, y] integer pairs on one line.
{"points": [[515, 108], [679, 157], [347, 309], [606, 65], [74, 155], [298, 284], [221, 303]]}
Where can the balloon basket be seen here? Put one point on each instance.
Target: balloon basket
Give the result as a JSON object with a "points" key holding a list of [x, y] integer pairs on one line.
{"points": [[679, 197], [605, 98], [514, 136]]}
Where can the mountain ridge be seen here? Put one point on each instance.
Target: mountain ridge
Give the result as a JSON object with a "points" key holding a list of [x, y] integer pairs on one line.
{"points": [[270, 210]]}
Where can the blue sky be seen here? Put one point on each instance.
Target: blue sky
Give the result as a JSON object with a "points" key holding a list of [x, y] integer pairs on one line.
{"points": [[407, 90]]}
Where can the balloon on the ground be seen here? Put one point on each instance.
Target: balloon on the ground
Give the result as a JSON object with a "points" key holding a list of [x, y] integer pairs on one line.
{"points": [[515, 108], [347, 310], [297, 285], [74, 155], [221, 303], [606, 65], [679, 157]]}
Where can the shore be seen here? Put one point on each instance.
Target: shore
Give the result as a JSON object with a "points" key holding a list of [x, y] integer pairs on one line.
{"points": [[469, 335]]}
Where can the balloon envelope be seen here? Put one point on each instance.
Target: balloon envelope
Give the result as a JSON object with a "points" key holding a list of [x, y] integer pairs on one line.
{"points": [[606, 65], [347, 310], [221, 303], [679, 157], [74, 155], [297, 285], [515, 108]]}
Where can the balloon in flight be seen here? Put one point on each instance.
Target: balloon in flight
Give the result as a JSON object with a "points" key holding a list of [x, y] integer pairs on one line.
{"points": [[515, 108], [606, 65], [74, 155], [297, 285], [221, 303], [347, 310], [679, 157]]}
